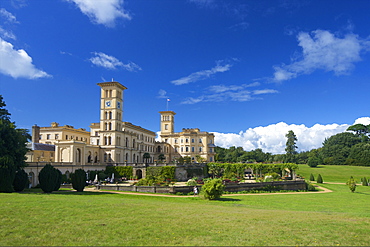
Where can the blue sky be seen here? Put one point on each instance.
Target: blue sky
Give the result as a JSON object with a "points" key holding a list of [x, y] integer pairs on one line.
{"points": [[247, 70]]}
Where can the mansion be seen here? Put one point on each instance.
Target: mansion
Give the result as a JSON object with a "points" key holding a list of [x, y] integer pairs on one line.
{"points": [[113, 141]]}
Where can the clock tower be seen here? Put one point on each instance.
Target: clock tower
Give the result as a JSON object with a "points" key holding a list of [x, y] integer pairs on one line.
{"points": [[111, 112]]}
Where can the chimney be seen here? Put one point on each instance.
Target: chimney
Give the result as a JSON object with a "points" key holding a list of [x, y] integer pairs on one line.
{"points": [[35, 133]]}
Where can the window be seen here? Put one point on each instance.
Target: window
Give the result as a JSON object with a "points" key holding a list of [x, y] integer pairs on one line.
{"points": [[176, 140], [40, 137], [192, 149], [166, 126], [200, 149], [200, 140], [192, 140], [48, 136], [186, 149], [187, 140], [210, 150], [56, 136], [66, 137]]}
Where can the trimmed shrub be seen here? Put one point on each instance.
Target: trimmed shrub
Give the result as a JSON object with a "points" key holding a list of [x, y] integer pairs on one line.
{"points": [[351, 184], [79, 180], [20, 180], [319, 179], [191, 182], [365, 182], [312, 178], [48, 178], [213, 189], [310, 187], [59, 180]]}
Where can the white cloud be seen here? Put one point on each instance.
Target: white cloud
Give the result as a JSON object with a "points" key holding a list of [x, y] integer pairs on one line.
{"points": [[239, 93], [9, 17], [323, 50], [363, 120], [17, 63], [7, 34], [162, 94], [202, 75], [272, 138], [109, 62], [103, 11]]}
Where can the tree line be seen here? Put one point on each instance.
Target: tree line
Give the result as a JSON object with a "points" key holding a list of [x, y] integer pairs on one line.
{"points": [[347, 148]]}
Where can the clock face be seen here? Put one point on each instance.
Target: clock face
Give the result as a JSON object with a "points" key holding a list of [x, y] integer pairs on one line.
{"points": [[107, 103]]}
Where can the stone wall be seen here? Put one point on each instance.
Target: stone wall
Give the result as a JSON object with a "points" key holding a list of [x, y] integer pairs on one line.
{"points": [[282, 185]]}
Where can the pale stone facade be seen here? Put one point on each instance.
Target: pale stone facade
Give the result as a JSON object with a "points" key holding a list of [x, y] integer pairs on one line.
{"points": [[198, 145], [113, 141], [109, 141]]}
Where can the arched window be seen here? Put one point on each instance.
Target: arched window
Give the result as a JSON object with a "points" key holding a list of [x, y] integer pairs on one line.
{"points": [[126, 144], [110, 115], [78, 155], [133, 144], [109, 140]]}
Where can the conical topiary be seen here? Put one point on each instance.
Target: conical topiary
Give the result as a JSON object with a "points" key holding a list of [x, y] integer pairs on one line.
{"points": [[59, 180], [48, 178], [20, 180], [365, 182], [79, 180], [312, 178], [319, 179]]}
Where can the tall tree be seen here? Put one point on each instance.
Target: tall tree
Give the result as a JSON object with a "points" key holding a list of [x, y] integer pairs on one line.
{"points": [[291, 148], [12, 149]]}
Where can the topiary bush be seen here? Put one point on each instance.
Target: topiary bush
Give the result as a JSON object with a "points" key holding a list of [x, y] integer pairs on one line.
{"points": [[365, 182], [310, 187], [351, 184], [312, 178], [48, 178], [319, 179], [212, 189], [20, 181], [79, 180], [59, 180]]}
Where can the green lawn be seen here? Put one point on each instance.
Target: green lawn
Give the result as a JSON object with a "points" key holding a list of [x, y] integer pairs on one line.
{"points": [[339, 174], [340, 218]]}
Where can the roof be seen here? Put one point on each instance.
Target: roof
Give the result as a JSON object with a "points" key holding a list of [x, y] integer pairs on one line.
{"points": [[41, 146]]}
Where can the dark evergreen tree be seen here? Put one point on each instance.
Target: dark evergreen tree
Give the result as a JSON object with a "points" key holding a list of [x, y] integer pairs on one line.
{"points": [[20, 180], [291, 148], [48, 178], [365, 182], [12, 149], [59, 180], [79, 180], [319, 179], [337, 148], [312, 178]]}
